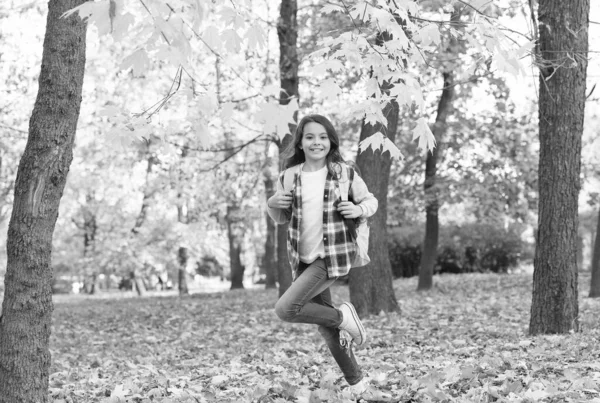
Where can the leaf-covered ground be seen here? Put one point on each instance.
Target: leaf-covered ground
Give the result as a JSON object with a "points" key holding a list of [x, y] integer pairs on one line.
{"points": [[465, 341]]}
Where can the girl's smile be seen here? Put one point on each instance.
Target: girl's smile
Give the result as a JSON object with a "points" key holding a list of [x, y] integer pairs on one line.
{"points": [[315, 142]]}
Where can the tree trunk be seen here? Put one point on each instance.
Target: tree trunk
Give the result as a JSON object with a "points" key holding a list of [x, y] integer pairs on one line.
{"points": [[287, 32], [41, 177], [235, 236], [432, 200], [270, 259], [595, 283], [563, 26], [432, 204], [371, 287], [182, 257], [148, 193], [137, 283]]}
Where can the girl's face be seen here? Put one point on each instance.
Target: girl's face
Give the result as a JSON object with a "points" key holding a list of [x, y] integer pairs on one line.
{"points": [[315, 142]]}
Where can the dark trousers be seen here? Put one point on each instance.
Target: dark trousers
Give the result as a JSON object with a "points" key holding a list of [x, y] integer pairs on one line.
{"points": [[308, 300]]}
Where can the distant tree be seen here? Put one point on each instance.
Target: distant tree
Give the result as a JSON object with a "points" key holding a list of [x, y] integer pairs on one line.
{"points": [[595, 282], [562, 58], [41, 177], [182, 259], [432, 199]]}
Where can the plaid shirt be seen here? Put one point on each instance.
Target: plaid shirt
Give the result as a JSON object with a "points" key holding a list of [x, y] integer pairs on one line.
{"points": [[340, 249]]}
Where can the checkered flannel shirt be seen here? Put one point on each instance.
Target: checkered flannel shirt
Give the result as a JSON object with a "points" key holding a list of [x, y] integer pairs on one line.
{"points": [[340, 249]]}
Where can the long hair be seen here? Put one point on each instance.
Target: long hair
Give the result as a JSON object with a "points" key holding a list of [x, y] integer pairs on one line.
{"points": [[293, 155]]}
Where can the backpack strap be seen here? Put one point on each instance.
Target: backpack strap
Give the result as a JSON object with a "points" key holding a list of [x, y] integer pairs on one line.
{"points": [[345, 182], [288, 177]]}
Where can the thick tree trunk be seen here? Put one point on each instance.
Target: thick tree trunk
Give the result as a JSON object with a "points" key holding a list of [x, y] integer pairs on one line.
{"points": [[235, 236], [371, 287], [42, 174], [432, 203], [563, 26], [287, 32], [270, 259], [595, 283]]}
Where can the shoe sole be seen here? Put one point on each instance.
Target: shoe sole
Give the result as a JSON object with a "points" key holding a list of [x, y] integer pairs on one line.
{"points": [[361, 328]]}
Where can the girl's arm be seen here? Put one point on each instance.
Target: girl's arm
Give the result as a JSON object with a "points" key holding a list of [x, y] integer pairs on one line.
{"points": [[278, 214], [362, 197]]}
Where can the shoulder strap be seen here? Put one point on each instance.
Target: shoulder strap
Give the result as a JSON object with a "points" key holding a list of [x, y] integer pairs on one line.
{"points": [[346, 181], [287, 179]]}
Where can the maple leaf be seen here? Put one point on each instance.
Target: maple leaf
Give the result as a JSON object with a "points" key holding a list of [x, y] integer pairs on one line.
{"points": [[277, 118], [256, 37], [329, 89], [423, 133], [95, 12], [212, 38], [138, 60], [378, 141], [232, 40], [429, 35]]}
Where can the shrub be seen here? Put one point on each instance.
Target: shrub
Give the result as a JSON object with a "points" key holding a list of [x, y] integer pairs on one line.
{"points": [[461, 249]]}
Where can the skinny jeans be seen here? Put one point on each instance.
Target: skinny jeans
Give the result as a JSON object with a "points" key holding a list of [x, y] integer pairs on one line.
{"points": [[308, 300]]}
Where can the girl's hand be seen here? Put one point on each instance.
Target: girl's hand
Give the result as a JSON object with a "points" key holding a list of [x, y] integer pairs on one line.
{"points": [[349, 210], [281, 200]]}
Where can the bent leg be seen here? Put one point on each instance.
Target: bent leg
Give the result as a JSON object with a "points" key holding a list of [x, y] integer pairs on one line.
{"points": [[344, 356], [296, 304]]}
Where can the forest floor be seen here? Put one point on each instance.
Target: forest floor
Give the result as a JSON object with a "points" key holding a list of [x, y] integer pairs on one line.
{"points": [[465, 341]]}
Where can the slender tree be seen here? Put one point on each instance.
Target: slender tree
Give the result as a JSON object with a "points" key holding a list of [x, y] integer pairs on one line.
{"points": [[41, 177], [432, 200], [562, 59], [595, 283], [287, 32]]}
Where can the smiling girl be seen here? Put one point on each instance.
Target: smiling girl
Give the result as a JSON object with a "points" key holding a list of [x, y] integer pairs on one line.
{"points": [[320, 247]]}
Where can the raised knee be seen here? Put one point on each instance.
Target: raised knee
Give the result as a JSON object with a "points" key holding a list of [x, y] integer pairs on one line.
{"points": [[284, 312]]}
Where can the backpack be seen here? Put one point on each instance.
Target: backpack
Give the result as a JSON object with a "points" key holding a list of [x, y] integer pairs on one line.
{"points": [[361, 233]]}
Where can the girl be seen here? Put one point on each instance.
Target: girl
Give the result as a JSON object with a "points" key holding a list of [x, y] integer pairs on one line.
{"points": [[320, 248]]}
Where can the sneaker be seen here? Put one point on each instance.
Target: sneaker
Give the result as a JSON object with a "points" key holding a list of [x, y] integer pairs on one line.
{"points": [[352, 324], [358, 389], [364, 391]]}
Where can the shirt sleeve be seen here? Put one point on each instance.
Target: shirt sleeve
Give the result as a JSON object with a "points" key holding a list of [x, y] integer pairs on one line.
{"points": [[280, 216], [362, 197]]}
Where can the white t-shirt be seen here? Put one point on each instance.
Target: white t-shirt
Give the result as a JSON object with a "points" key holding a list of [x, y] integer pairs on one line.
{"points": [[311, 227]]}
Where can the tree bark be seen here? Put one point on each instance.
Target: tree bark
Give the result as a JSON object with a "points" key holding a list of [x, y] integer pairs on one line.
{"points": [[235, 236], [432, 203], [563, 26], [270, 259], [287, 32], [182, 257], [595, 283], [371, 287], [432, 199], [41, 177], [148, 193]]}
